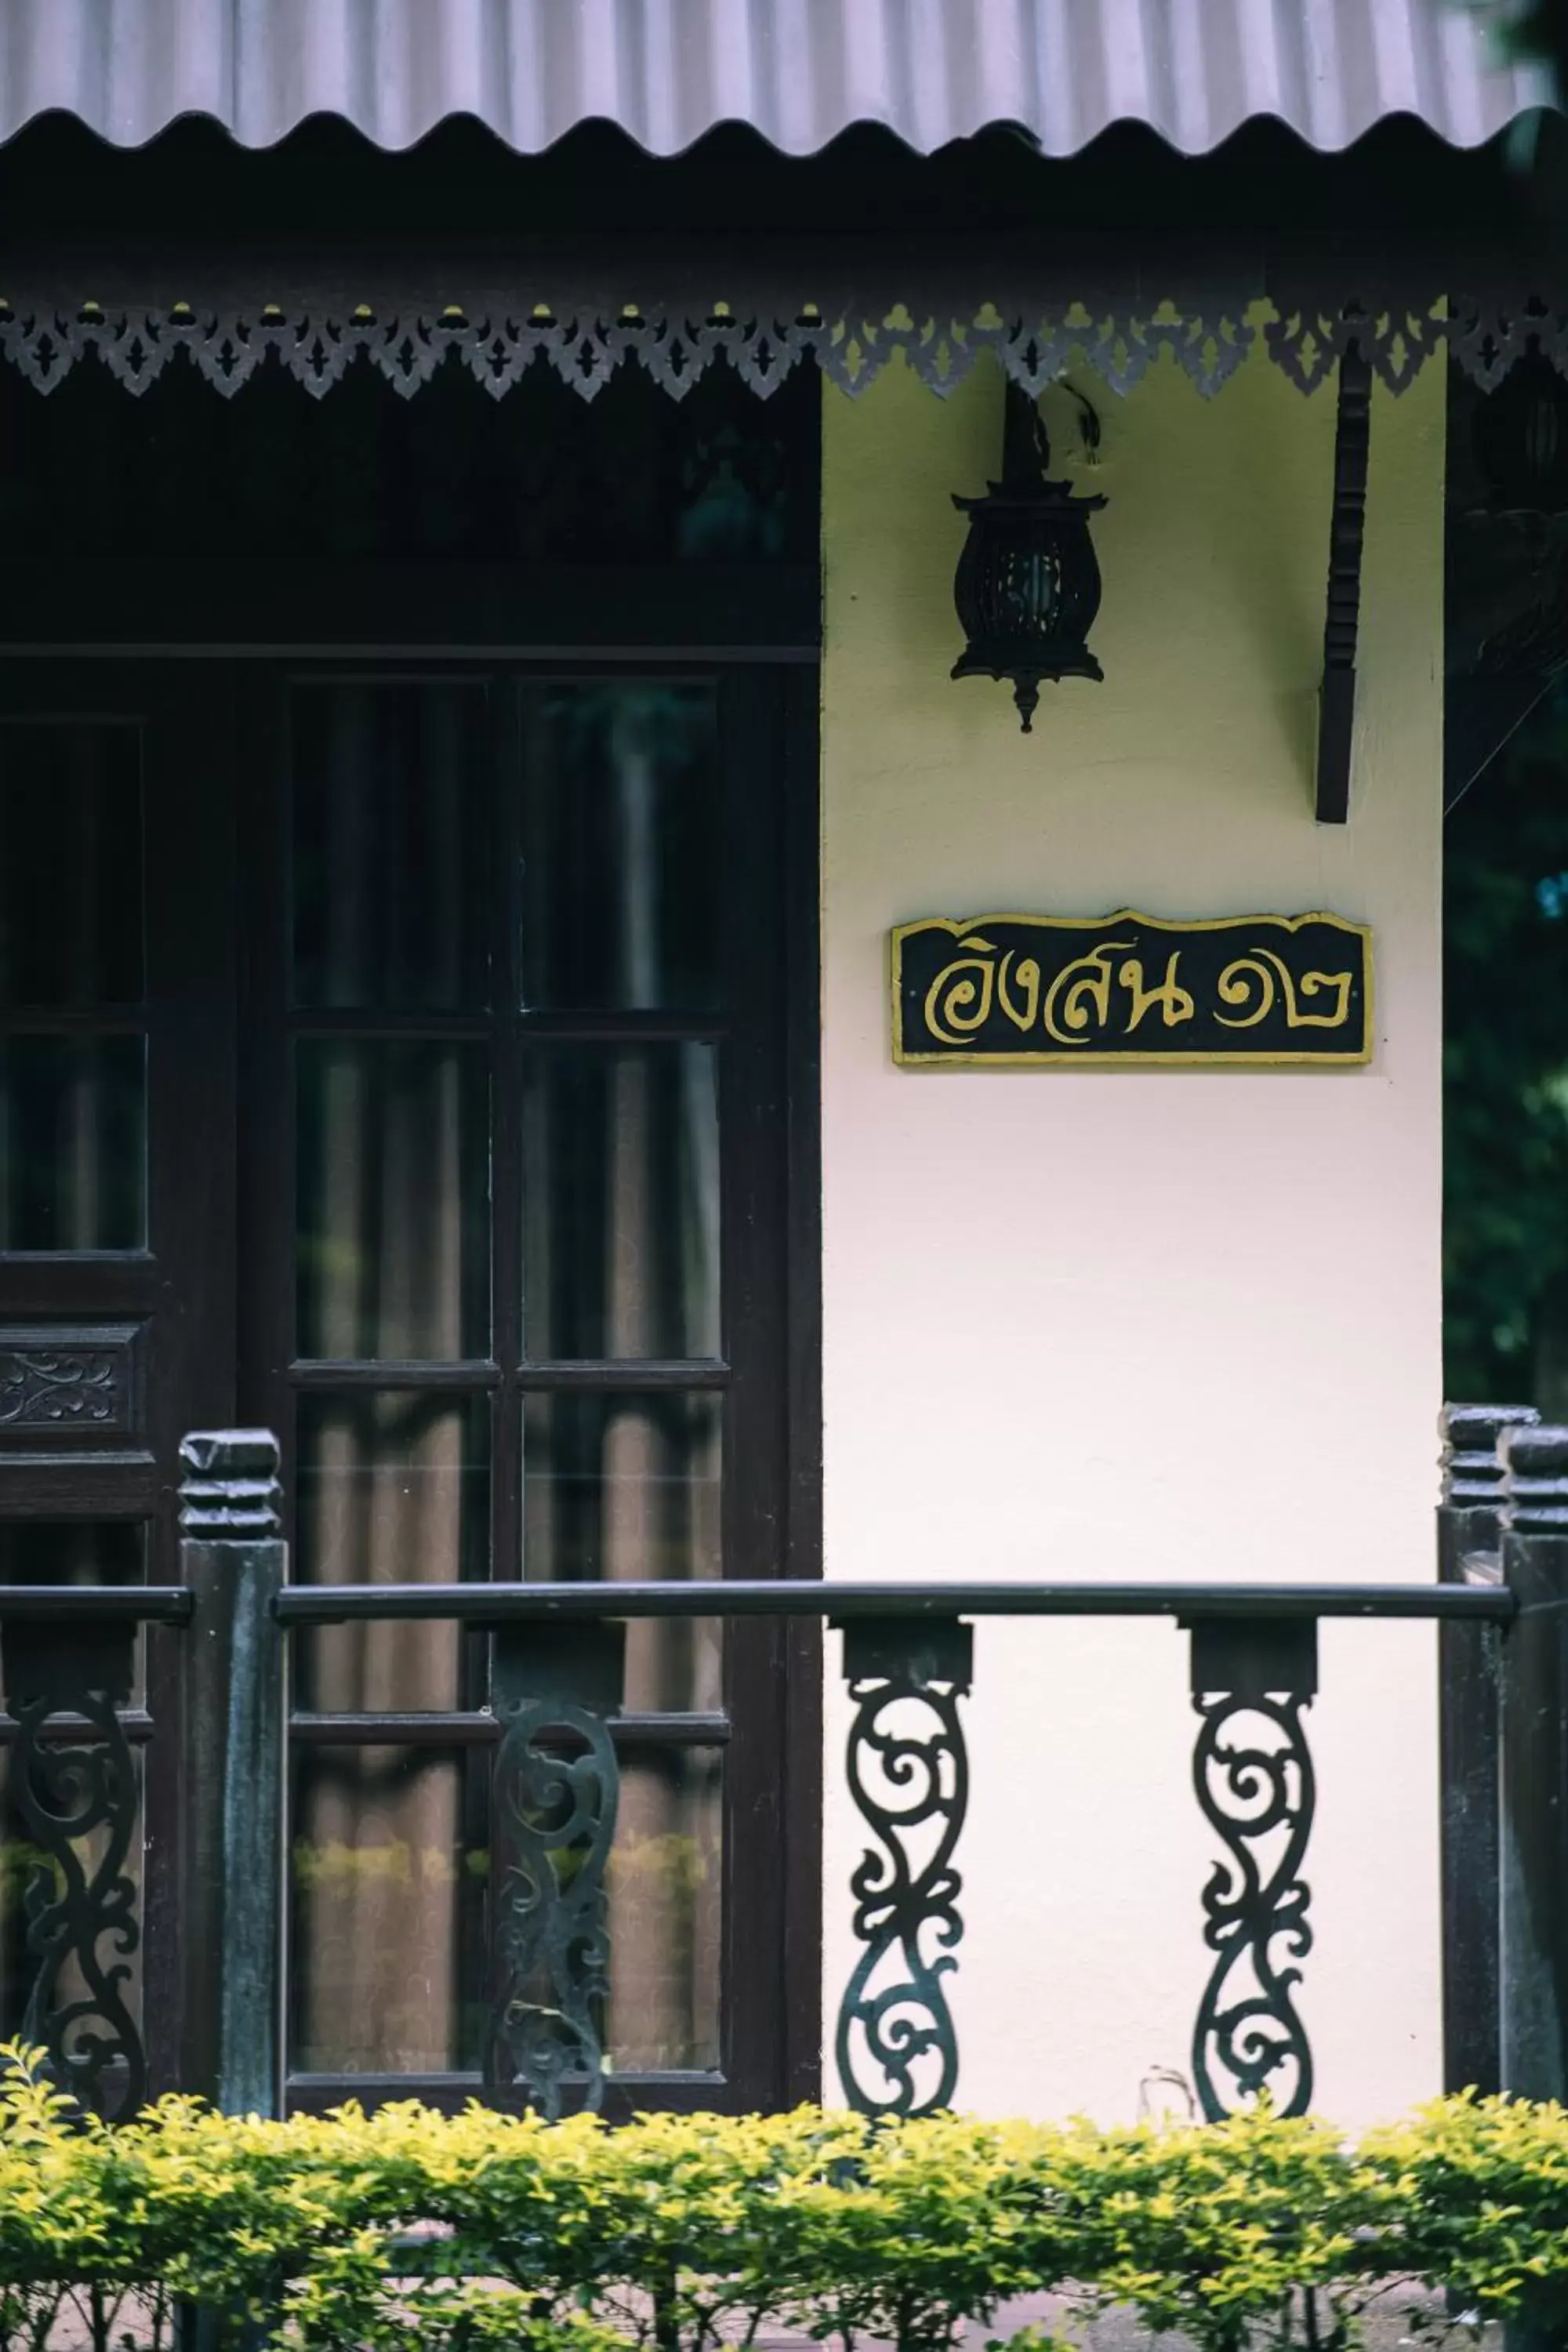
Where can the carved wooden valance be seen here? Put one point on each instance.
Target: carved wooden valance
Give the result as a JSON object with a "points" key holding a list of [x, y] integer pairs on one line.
{"points": [[674, 311]]}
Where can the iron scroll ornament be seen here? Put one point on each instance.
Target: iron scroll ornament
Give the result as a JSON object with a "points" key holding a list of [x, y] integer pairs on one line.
{"points": [[80, 1805], [909, 1774], [554, 1826], [1252, 1770]]}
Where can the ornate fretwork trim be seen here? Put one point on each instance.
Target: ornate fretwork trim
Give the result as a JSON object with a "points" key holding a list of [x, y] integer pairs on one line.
{"points": [[586, 349], [317, 344]]}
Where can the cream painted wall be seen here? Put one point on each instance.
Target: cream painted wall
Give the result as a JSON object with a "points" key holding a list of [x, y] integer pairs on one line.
{"points": [[1153, 1324]]}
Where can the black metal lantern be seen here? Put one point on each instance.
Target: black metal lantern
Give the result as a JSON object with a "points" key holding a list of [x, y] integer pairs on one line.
{"points": [[1520, 438], [1028, 584]]}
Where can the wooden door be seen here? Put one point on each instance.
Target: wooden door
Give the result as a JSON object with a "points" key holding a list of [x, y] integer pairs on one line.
{"points": [[117, 1326], [519, 1227]]}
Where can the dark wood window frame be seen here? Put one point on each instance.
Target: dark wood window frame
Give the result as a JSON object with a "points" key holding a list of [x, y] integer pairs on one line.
{"points": [[761, 1108], [211, 694]]}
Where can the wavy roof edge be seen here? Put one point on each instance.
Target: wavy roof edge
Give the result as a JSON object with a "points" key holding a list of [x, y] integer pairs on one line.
{"points": [[798, 72], [195, 117]]}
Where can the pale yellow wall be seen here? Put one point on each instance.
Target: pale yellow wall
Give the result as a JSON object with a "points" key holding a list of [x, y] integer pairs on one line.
{"points": [[1155, 1324]]}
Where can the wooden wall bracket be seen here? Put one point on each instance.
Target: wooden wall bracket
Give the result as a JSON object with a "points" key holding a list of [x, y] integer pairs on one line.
{"points": [[1336, 713]]}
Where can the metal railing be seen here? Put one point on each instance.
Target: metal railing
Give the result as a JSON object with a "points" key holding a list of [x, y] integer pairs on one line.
{"points": [[907, 1662], [844, 1601], [556, 1688]]}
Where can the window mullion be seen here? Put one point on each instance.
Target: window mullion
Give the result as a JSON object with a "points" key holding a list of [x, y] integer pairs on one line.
{"points": [[510, 741]]}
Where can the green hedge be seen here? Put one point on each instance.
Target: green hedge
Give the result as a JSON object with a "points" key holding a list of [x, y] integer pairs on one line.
{"points": [[681, 2233]]}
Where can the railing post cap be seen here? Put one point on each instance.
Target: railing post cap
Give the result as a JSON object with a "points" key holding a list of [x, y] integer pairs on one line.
{"points": [[1538, 1450], [1535, 1479], [246, 1452], [229, 1489], [1471, 1465]]}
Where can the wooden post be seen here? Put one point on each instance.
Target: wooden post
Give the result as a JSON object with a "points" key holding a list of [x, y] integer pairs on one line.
{"points": [[1469, 1531], [1534, 1846], [232, 1557]]}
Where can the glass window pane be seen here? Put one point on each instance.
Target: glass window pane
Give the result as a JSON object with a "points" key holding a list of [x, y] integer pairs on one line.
{"points": [[75, 1552], [621, 847], [392, 862], [621, 1201], [666, 1889], [388, 1871], [630, 1486], [393, 1187], [71, 864], [393, 1488], [73, 1149], [72, 1552]]}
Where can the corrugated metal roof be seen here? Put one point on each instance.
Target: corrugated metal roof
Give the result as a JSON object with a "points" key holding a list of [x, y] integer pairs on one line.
{"points": [[799, 71]]}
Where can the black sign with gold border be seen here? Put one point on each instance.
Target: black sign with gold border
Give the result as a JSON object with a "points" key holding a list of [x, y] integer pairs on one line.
{"points": [[1244, 989]]}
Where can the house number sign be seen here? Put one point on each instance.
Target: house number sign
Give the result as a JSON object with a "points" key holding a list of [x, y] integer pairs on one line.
{"points": [[1248, 989]]}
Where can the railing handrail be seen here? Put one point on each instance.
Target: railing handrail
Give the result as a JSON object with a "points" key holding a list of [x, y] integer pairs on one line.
{"points": [[495, 1605], [95, 1604], [829, 1597]]}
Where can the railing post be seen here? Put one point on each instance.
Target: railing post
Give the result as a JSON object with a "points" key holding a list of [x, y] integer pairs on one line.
{"points": [[1469, 1667], [1534, 1785], [909, 1774], [553, 1798], [1252, 1770], [233, 1561]]}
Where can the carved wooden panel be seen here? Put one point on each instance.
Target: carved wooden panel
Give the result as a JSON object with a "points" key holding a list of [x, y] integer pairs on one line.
{"points": [[69, 1382]]}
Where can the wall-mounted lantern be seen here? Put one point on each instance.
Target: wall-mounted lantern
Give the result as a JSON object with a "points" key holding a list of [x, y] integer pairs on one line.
{"points": [[1028, 584]]}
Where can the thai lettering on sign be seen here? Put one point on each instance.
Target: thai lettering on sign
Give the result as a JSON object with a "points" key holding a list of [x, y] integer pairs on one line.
{"points": [[1247, 989]]}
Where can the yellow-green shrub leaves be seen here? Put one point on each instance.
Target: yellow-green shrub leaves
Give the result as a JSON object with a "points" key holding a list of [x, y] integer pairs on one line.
{"points": [[470, 2233]]}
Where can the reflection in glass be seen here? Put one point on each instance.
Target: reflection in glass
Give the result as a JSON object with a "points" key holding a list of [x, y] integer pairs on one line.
{"points": [[666, 1889], [390, 861], [71, 864], [75, 1552], [393, 1189], [390, 1869], [73, 1152], [627, 1487], [71, 1551], [621, 847], [621, 1201], [393, 1488], [388, 1884]]}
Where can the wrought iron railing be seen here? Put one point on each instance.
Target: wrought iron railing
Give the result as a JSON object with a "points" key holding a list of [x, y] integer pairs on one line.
{"points": [[906, 1663], [74, 1784]]}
